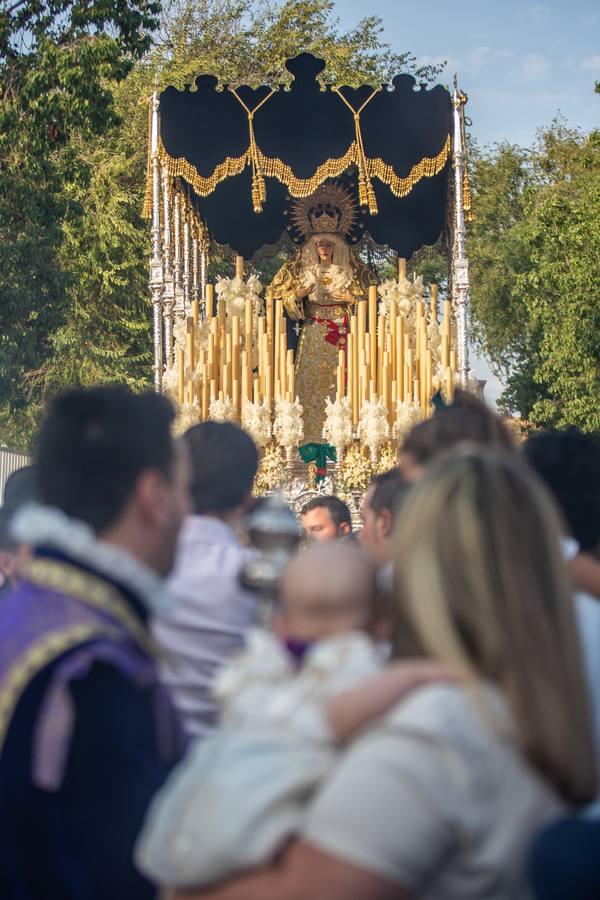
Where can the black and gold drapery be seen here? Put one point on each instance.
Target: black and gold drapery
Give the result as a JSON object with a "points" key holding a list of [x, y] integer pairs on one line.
{"points": [[246, 152]]}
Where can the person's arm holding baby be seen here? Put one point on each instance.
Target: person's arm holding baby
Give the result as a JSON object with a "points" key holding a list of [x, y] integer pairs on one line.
{"points": [[355, 709]]}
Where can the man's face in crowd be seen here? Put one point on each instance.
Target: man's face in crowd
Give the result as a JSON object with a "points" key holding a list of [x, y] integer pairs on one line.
{"points": [[376, 531], [319, 526]]}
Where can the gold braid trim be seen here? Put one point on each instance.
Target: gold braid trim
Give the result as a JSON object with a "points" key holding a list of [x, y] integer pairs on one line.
{"points": [[304, 187], [22, 672], [181, 168], [91, 591], [425, 168]]}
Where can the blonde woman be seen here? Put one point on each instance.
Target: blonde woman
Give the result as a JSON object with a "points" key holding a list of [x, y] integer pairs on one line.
{"points": [[442, 798]]}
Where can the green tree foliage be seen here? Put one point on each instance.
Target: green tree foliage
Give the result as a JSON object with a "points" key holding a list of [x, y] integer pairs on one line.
{"points": [[535, 253], [246, 41], [58, 62]]}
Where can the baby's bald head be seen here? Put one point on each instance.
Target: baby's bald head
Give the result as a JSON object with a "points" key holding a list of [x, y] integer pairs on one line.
{"points": [[327, 589]]}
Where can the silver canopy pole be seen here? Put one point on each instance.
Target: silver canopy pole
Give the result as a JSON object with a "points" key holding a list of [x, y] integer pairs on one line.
{"points": [[460, 262], [156, 266]]}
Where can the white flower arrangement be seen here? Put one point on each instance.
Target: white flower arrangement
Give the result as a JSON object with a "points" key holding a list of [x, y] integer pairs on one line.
{"points": [[400, 295], [202, 332], [356, 471], [222, 410], [373, 426], [338, 429], [388, 460], [179, 332], [235, 291], [271, 472], [256, 419], [188, 414], [407, 416], [288, 427]]}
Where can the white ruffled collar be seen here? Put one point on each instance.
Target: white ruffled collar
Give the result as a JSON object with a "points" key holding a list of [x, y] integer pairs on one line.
{"points": [[50, 527]]}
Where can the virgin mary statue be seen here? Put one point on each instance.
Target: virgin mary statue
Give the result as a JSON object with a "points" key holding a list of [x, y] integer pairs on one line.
{"points": [[320, 287]]}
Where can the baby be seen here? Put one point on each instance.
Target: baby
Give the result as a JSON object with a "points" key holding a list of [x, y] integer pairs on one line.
{"points": [[289, 703]]}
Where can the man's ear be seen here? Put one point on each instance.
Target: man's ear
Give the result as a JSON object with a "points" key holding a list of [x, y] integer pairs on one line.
{"points": [[149, 496], [385, 524], [344, 528]]}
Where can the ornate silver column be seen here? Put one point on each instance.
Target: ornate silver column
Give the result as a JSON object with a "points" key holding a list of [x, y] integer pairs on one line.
{"points": [[195, 264], [203, 272], [186, 259], [460, 262], [177, 254], [168, 292], [156, 265]]}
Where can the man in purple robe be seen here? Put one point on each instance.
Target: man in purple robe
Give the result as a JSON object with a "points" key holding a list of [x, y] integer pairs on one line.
{"points": [[86, 733]]}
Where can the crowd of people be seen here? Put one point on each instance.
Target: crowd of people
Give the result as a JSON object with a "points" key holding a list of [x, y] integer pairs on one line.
{"points": [[418, 715]]}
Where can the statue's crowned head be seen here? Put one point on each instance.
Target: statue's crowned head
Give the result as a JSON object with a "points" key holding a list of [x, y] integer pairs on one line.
{"points": [[330, 210]]}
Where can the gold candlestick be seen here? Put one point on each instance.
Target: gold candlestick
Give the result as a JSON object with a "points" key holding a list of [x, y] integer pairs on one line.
{"points": [[210, 301], [372, 326], [433, 302]]}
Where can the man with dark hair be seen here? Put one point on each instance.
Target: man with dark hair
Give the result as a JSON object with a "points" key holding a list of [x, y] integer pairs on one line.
{"points": [[380, 508], [86, 733], [211, 613], [326, 518]]}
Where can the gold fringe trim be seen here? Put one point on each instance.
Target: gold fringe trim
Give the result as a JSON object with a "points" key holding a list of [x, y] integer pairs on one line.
{"points": [[304, 187], [425, 168], [181, 168]]}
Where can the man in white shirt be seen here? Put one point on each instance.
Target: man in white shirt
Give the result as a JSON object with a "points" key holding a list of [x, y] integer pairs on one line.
{"points": [[211, 613]]}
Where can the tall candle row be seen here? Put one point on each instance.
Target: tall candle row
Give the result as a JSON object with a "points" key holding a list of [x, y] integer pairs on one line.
{"points": [[246, 359], [391, 360], [388, 357]]}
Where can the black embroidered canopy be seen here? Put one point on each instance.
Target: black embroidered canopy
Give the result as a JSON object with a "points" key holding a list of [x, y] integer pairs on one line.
{"points": [[246, 153]]}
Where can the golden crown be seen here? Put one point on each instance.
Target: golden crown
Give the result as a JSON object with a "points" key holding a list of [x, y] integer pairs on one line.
{"points": [[330, 210]]}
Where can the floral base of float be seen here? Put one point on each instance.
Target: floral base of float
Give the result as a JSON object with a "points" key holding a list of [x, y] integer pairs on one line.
{"points": [[233, 364]]}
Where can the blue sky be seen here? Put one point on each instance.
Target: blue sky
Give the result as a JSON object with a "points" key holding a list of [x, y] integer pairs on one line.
{"points": [[520, 63]]}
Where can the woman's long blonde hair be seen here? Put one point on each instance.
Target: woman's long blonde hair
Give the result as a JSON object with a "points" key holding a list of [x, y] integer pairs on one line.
{"points": [[481, 584]]}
